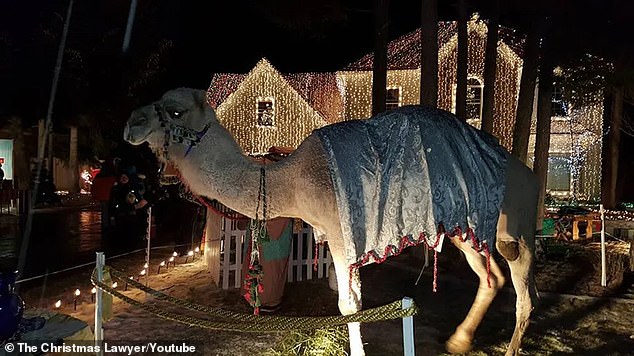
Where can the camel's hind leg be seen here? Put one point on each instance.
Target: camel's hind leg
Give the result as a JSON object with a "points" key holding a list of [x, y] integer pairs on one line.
{"points": [[524, 284], [460, 341], [516, 243]]}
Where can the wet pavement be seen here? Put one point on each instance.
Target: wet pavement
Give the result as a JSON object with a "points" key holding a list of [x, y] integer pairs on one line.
{"points": [[62, 238]]}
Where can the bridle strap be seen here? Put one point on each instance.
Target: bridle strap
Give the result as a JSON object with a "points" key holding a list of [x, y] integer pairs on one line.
{"points": [[179, 134]]}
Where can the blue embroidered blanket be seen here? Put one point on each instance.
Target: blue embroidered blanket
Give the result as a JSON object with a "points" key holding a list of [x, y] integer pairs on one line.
{"points": [[409, 170]]}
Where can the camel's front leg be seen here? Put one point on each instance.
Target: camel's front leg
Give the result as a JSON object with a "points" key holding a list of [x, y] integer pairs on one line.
{"points": [[349, 288], [460, 341]]}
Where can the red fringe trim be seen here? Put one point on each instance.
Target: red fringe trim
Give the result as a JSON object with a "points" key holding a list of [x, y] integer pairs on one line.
{"points": [[406, 241]]}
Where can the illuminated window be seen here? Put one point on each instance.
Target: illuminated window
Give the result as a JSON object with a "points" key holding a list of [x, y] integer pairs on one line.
{"points": [[393, 98], [558, 173], [265, 112], [558, 106], [474, 101]]}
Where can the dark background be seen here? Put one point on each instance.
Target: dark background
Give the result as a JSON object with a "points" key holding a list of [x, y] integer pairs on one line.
{"points": [[183, 43]]}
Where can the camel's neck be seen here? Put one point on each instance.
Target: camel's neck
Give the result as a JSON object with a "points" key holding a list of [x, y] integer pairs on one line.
{"points": [[217, 169]]}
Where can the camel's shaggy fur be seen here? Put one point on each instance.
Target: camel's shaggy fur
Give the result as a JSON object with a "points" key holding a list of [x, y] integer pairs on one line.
{"points": [[300, 186]]}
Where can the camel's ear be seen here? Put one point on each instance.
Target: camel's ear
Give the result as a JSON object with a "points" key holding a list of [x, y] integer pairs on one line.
{"points": [[201, 98]]}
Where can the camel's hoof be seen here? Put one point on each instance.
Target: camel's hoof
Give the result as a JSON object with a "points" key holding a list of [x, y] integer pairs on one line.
{"points": [[458, 345], [510, 250]]}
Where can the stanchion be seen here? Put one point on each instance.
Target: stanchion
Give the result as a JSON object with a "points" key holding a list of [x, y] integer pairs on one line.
{"points": [[408, 329], [604, 278], [100, 263], [148, 237]]}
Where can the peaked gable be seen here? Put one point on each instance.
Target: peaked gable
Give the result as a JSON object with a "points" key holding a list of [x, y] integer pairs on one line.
{"points": [[404, 52], [294, 117]]}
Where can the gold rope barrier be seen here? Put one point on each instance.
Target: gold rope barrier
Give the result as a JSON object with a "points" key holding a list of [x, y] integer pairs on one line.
{"points": [[234, 321]]}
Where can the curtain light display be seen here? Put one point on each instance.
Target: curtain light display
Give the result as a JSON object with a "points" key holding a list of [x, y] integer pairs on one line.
{"points": [[294, 117], [305, 101]]}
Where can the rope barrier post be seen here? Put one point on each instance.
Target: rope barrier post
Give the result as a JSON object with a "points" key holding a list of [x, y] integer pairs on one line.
{"points": [[603, 272], [100, 263], [148, 237], [408, 329]]}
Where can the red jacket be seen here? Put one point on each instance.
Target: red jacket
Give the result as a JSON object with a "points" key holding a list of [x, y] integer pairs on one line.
{"points": [[101, 187]]}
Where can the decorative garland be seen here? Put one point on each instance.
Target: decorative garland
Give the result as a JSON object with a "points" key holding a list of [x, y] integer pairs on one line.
{"points": [[253, 280], [407, 241]]}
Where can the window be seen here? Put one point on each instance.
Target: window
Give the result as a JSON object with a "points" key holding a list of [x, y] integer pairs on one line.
{"points": [[393, 98], [558, 173], [474, 99], [265, 112], [558, 106], [473, 102]]}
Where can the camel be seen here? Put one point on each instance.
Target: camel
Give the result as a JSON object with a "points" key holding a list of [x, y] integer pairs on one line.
{"points": [[182, 128]]}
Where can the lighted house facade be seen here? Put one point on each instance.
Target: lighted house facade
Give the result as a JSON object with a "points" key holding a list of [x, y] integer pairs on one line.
{"points": [[303, 102], [264, 108]]}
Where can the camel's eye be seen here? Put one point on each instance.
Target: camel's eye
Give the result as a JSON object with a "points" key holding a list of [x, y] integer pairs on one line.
{"points": [[175, 113]]}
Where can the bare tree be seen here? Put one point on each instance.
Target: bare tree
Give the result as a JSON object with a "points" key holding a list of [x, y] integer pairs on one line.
{"points": [[613, 142], [490, 65], [429, 53], [463, 61], [542, 139], [524, 112], [379, 73]]}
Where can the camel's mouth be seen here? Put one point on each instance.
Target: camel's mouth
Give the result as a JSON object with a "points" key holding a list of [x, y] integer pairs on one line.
{"points": [[136, 135], [140, 127]]}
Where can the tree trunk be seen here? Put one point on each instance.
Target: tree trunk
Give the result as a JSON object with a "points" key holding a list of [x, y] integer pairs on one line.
{"points": [[429, 53], [379, 74], [73, 162], [613, 143], [542, 139], [524, 112], [463, 62], [21, 171], [490, 65]]}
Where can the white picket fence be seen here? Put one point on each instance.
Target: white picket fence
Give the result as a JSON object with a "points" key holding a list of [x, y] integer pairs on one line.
{"points": [[300, 262]]}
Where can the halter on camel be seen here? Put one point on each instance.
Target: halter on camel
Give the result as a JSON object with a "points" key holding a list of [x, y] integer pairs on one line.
{"points": [[179, 134]]}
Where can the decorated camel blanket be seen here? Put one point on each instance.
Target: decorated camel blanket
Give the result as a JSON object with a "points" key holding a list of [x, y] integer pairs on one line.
{"points": [[408, 172]]}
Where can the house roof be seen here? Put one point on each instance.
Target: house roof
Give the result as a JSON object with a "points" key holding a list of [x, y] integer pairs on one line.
{"points": [[222, 85], [320, 90], [404, 52]]}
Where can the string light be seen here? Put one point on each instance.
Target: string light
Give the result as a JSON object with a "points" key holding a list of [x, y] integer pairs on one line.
{"points": [[306, 101], [296, 115]]}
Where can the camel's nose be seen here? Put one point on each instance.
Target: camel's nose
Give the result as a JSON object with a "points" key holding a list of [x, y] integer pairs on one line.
{"points": [[137, 118], [126, 132]]}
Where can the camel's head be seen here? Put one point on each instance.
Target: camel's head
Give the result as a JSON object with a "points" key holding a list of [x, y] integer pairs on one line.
{"points": [[177, 117]]}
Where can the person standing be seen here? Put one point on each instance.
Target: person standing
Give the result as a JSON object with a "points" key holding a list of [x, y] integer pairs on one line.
{"points": [[129, 208], [100, 190]]}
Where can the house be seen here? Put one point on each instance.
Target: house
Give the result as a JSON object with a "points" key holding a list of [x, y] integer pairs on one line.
{"points": [[266, 108]]}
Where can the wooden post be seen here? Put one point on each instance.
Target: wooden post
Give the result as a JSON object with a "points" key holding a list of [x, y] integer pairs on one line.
{"points": [[603, 272], [148, 236], [408, 329], [631, 253], [100, 263], [213, 232]]}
